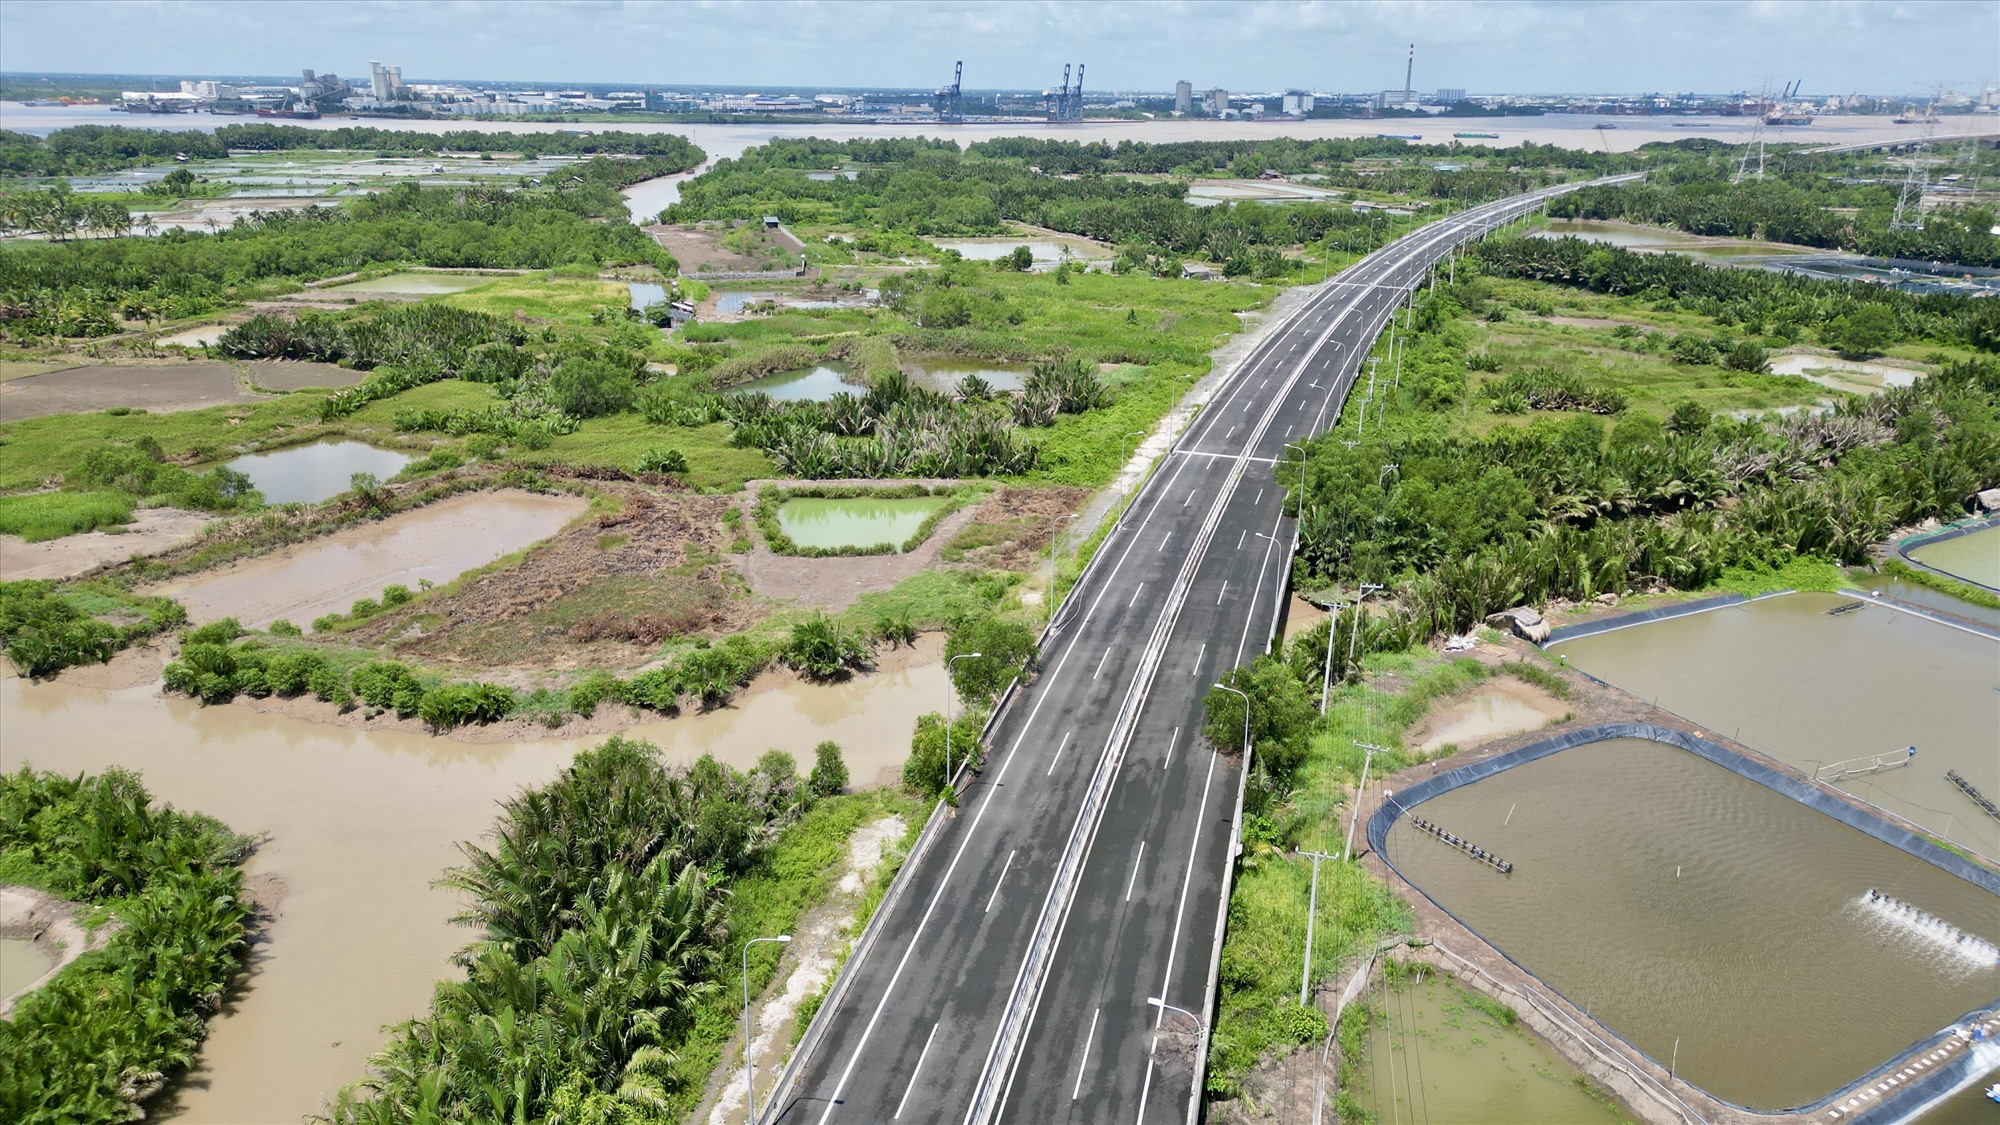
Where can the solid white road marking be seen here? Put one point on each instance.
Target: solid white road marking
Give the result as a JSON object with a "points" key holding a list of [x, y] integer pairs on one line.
{"points": [[1004, 868], [1134, 880], [914, 1073]]}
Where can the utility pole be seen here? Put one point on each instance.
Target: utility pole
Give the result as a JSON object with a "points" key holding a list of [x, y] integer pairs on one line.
{"points": [[1326, 676], [1347, 849], [1312, 910], [1354, 629]]}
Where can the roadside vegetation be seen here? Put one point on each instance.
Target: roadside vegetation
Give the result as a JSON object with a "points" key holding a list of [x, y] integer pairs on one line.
{"points": [[1561, 422], [1837, 201], [111, 1028], [1467, 500], [612, 906]]}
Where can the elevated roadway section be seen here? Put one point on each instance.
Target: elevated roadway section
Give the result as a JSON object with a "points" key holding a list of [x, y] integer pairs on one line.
{"points": [[1006, 976]]}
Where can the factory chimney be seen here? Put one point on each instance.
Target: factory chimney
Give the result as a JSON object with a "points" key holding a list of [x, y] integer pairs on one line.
{"points": [[1409, 69]]}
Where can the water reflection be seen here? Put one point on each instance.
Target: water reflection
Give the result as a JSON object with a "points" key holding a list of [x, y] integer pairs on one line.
{"points": [[312, 473]]}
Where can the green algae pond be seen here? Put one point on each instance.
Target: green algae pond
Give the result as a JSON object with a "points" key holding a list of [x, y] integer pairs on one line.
{"points": [[861, 522], [1971, 558], [1438, 1053], [1695, 912], [1811, 687]]}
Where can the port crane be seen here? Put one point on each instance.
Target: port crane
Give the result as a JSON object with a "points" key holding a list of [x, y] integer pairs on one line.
{"points": [[949, 101]]}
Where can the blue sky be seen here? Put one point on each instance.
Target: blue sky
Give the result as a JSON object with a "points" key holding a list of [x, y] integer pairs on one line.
{"points": [[1893, 47]]}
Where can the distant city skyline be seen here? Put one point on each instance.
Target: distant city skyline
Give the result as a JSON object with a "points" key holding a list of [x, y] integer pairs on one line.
{"points": [[1498, 46]]}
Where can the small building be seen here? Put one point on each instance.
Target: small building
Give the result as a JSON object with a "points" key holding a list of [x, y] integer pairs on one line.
{"points": [[772, 222], [1196, 271]]}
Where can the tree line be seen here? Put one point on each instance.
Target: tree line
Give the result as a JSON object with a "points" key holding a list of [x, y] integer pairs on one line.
{"points": [[82, 150], [109, 1030]]}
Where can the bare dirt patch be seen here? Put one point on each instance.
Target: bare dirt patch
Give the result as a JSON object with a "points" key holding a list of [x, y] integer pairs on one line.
{"points": [[603, 591], [1495, 709], [296, 375], [1013, 526], [701, 249], [151, 531], [160, 388]]}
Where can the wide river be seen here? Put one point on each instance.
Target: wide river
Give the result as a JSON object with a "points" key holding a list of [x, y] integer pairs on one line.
{"points": [[359, 823]]}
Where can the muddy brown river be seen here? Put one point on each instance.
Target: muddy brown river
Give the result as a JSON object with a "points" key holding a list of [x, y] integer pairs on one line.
{"points": [[360, 823]]}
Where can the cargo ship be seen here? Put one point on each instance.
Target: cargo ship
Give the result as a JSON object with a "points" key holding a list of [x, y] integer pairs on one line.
{"points": [[1787, 119], [1399, 136], [302, 113], [1477, 136]]}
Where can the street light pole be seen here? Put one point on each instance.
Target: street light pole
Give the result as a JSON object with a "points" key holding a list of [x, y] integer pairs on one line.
{"points": [[949, 693], [1055, 538], [749, 1082], [1246, 718], [1164, 1007]]}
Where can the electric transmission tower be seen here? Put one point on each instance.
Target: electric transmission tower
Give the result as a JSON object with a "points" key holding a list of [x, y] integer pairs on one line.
{"points": [[1910, 204]]}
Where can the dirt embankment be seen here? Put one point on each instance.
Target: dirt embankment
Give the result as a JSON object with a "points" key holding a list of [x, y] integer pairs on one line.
{"points": [[151, 531], [601, 591]]}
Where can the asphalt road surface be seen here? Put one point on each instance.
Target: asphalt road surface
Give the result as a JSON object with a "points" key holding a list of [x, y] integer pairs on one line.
{"points": [[1083, 870]]}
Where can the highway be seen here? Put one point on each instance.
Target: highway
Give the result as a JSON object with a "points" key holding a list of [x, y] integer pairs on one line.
{"points": [[1008, 974]]}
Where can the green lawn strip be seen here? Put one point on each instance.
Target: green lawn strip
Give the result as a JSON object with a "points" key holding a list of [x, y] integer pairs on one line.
{"points": [[1960, 590], [714, 465], [542, 297], [792, 874], [37, 516]]}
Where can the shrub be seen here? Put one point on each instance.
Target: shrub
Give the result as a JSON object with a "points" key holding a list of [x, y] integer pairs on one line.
{"points": [[387, 684], [214, 633], [923, 771], [820, 648], [829, 772], [587, 693], [454, 705], [668, 461], [1006, 648], [284, 628]]}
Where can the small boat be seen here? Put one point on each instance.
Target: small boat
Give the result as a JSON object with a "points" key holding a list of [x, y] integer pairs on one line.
{"points": [[1400, 136], [1604, 125], [1993, 1091]]}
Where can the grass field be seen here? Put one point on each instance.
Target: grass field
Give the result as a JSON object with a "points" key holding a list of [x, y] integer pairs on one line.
{"points": [[52, 515], [543, 297]]}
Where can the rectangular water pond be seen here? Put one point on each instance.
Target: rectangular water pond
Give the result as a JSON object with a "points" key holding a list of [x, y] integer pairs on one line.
{"points": [[1973, 558], [861, 522], [1814, 689], [817, 383], [1674, 900]]}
